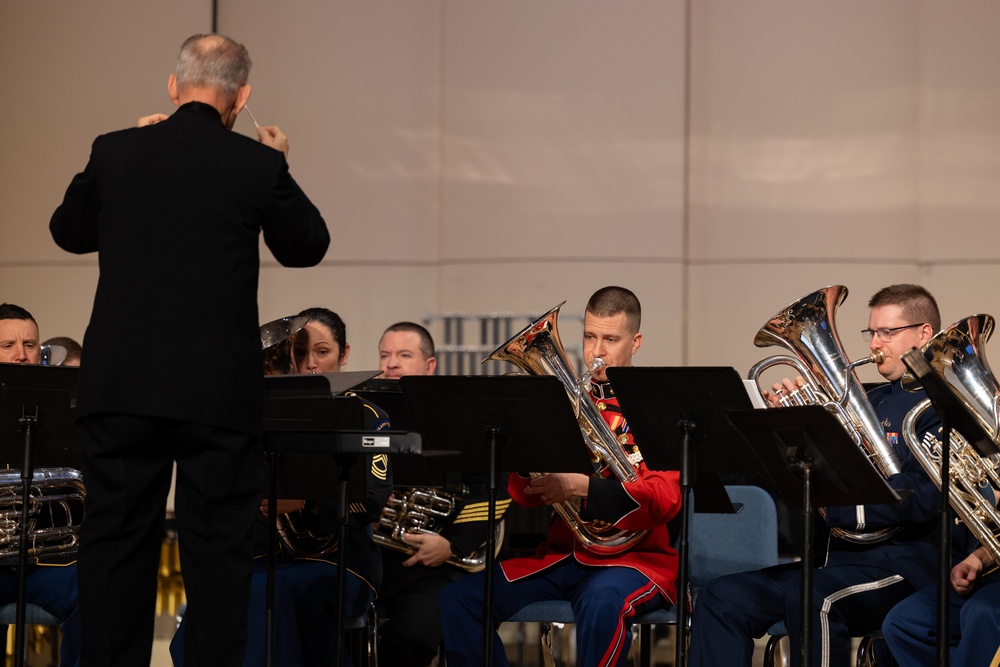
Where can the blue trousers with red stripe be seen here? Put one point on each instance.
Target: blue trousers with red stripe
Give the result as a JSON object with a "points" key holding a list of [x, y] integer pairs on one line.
{"points": [[604, 599]]}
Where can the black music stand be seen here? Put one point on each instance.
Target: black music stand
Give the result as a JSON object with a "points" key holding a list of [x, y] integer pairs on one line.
{"points": [[36, 427], [679, 419], [951, 409], [812, 461], [312, 430], [506, 423], [407, 471]]}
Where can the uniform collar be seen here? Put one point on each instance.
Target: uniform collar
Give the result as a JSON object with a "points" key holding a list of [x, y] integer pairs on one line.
{"points": [[601, 390]]}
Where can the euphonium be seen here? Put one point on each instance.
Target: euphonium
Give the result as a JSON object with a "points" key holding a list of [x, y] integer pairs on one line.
{"points": [[277, 342], [54, 513], [807, 329], [427, 510], [537, 350], [957, 354]]}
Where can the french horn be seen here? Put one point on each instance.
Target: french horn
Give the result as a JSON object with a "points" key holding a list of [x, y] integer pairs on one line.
{"points": [[537, 350], [807, 328], [958, 355]]}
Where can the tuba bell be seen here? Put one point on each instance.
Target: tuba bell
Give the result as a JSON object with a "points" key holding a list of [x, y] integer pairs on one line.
{"points": [[957, 354], [55, 511], [807, 329], [537, 350]]}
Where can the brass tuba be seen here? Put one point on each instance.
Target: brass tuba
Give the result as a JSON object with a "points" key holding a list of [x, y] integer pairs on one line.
{"points": [[537, 350], [55, 511], [957, 354], [807, 329]]}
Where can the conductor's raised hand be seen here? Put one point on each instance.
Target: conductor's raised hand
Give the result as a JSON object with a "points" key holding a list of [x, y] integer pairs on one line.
{"points": [[271, 135], [151, 119]]}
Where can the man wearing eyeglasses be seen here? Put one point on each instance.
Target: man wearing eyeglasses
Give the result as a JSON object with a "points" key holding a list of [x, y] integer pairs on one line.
{"points": [[856, 584]]}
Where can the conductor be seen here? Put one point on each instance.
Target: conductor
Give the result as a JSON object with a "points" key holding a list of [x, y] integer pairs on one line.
{"points": [[175, 210]]}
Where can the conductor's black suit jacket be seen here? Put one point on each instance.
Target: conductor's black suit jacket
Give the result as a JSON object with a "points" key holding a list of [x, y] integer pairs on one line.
{"points": [[175, 211]]}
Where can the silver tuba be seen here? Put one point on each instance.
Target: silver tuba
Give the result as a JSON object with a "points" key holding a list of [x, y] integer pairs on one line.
{"points": [[807, 329], [537, 350], [55, 510], [957, 354], [427, 510]]}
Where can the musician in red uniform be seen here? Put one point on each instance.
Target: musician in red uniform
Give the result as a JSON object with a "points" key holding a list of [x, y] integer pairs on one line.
{"points": [[606, 591]]}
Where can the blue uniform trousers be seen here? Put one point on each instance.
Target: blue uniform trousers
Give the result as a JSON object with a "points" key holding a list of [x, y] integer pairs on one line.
{"points": [[603, 601], [910, 629], [848, 600], [53, 588]]}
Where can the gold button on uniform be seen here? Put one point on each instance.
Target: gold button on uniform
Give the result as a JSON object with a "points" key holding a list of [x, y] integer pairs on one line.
{"points": [[602, 406]]}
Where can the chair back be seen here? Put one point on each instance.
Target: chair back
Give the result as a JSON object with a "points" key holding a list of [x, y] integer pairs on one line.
{"points": [[727, 543]]}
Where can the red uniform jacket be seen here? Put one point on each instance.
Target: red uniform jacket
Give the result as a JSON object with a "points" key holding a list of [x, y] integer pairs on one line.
{"points": [[646, 504]]}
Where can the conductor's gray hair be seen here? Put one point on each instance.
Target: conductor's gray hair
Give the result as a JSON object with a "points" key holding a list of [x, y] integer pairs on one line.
{"points": [[213, 61]]}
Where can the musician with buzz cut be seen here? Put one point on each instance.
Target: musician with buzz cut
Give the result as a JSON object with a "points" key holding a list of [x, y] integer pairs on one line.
{"points": [[606, 590], [856, 583], [412, 581]]}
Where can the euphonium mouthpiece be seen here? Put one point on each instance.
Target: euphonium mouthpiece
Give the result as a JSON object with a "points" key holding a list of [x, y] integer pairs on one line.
{"points": [[877, 357], [584, 384]]}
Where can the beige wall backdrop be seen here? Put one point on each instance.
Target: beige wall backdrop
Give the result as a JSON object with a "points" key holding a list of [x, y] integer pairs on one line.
{"points": [[722, 159]]}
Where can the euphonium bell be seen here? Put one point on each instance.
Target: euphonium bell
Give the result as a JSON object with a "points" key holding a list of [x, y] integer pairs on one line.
{"points": [[277, 344]]}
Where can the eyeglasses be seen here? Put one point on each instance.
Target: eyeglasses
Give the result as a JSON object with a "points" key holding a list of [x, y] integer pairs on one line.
{"points": [[885, 335]]}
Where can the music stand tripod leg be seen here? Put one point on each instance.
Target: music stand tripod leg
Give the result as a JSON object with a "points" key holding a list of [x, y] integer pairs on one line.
{"points": [[28, 423], [272, 555], [687, 479], [492, 434]]}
